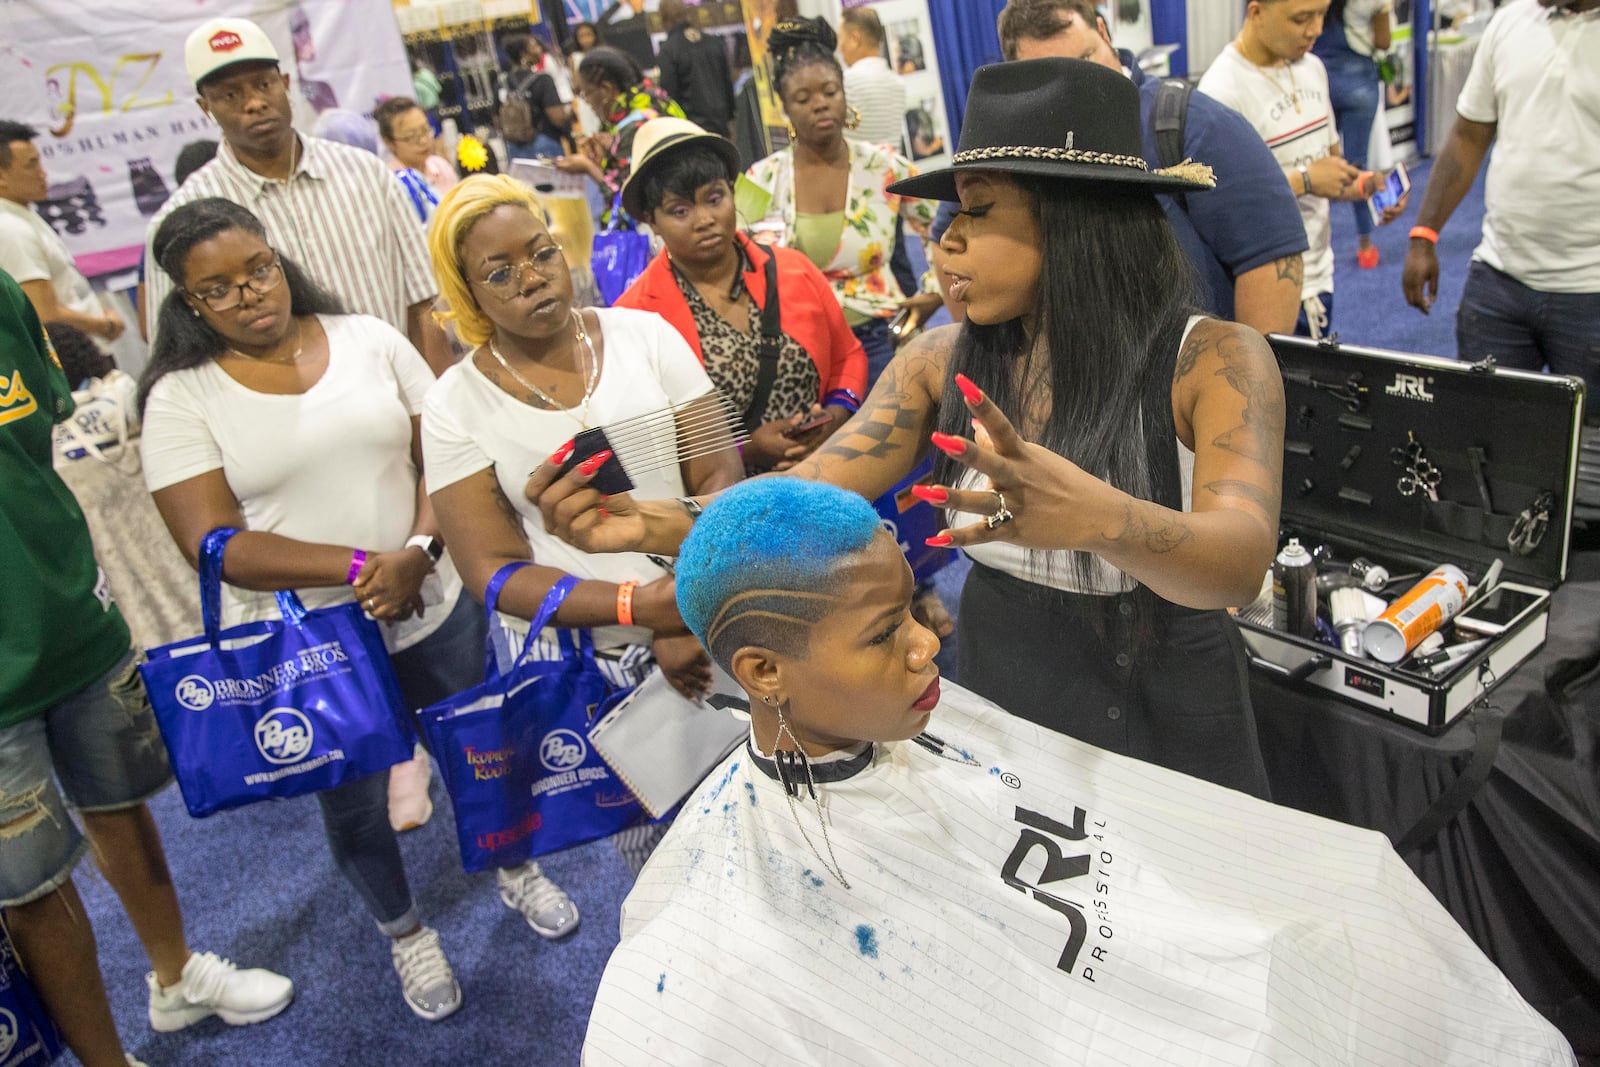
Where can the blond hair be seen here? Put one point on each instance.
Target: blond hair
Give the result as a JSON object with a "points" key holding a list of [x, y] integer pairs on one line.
{"points": [[461, 209]]}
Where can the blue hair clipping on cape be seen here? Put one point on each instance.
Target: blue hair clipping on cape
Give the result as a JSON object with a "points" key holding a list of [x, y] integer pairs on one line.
{"points": [[768, 533]]}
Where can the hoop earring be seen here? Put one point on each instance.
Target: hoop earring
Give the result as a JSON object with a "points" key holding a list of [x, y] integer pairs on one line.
{"points": [[789, 129], [854, 120]]}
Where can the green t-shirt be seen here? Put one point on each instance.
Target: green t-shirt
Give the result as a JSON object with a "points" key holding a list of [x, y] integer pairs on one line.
{"points": [[59, 630]]}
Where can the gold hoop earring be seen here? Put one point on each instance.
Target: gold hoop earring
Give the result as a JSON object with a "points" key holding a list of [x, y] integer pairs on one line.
{"points": [[788, 128], [854, 120]]}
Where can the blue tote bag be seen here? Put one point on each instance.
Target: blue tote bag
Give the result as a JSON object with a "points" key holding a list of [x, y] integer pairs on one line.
{"points": [[619, 255], [514, 752], [27, 1036], [276, 708]]}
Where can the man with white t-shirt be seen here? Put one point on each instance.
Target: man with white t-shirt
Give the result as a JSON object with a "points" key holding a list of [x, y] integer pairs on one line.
{"points": [[1532, 298], [32, 253], [1269, 76]]}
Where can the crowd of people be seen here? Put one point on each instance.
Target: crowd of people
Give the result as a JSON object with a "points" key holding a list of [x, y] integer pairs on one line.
{"points": [[375, 370]]}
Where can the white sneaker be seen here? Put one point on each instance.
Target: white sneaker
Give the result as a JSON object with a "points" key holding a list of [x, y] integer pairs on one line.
{"points": [[409, 803], [544, 904], [133, 1062], [211, 986], [426, 980]]}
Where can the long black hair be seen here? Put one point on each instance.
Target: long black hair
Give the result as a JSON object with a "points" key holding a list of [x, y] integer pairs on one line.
{"points": [[183, 339], [1114, 289], [797, 43]]}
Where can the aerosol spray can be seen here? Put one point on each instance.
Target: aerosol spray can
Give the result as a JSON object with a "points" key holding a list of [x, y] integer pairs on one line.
{"points": [[1294, 591], [1424, 608]]}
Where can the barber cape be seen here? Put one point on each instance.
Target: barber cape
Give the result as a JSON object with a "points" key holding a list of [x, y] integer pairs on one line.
{"points": [[1018, 897]]}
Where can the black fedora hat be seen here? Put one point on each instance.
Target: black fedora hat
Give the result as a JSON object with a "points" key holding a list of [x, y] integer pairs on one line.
{"points": [[1056, 118]]}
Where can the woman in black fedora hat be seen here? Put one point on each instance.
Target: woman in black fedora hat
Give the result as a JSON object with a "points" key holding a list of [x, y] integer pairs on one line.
{"points": [[1127, 458]]}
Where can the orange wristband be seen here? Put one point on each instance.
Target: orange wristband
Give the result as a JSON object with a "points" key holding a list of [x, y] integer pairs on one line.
{"points": [[625, 602], [1426, 233]]}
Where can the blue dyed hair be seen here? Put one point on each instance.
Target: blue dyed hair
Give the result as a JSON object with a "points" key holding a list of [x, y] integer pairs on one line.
{"points": [[773, 545]]}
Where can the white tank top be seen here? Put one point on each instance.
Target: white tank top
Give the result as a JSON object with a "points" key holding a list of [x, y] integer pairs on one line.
{"points": [[1055, 569]]}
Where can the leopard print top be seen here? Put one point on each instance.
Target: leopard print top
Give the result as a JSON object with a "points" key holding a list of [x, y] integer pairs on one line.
{"points": [[732, 357]]}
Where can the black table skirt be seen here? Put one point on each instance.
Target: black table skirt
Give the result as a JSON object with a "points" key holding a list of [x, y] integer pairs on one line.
{"points": [[1519, 868]]}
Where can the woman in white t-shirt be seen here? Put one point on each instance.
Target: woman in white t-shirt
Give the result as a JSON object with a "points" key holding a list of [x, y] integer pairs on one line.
{"points": [[268, 410], [540, 372]]}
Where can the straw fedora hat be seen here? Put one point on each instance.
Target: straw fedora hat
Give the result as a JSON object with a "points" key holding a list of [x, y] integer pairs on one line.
{"points": [[659, 138], [1055, 118]]}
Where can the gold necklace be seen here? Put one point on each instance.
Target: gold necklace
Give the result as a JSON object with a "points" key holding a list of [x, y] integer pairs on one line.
{"points": [[592, 376], [299, 347], [1293, 92]]}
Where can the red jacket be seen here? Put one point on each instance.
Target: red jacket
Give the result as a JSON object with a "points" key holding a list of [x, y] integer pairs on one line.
{"points": [[808, 311]]}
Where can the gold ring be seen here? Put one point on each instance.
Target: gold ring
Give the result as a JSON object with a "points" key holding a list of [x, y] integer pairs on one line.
{"points": [[1002, 514]]}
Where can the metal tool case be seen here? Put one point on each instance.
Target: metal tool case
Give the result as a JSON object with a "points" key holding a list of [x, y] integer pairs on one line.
{"points": [[1370, 438]]}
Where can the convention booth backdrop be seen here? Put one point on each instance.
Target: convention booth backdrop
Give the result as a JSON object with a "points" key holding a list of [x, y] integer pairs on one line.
{"points": [[105, 85]]}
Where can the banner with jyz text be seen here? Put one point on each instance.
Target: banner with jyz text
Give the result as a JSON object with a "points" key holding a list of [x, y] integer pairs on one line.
{"points": [[103, 81]]}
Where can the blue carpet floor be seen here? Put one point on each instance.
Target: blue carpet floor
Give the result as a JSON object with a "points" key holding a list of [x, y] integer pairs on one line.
{"points": [[1368, 305], [257, 885]]}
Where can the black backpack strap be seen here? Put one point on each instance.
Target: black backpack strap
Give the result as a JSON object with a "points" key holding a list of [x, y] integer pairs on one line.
{"points": [[768, 347], [1169, 121]]}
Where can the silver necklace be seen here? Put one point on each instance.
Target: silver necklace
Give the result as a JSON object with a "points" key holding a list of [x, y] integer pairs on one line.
{"points": [[799, 756], [592, 375]]}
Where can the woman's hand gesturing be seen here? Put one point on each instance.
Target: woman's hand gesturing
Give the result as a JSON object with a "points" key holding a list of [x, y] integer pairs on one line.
{"points": [[1036, 498]]}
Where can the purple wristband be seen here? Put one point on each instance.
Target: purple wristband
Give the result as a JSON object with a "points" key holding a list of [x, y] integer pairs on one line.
{"points": [[358, 559]]}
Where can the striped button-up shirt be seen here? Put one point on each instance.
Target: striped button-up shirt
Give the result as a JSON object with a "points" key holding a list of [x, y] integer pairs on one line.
{"points": [[341, 216], [880, 96]]}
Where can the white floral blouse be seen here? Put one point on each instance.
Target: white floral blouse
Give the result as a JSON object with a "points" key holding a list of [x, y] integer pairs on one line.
{"points": [[859, 269]]}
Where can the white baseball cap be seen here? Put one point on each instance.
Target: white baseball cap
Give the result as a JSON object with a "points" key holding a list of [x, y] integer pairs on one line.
{"points": [[220, 43]]}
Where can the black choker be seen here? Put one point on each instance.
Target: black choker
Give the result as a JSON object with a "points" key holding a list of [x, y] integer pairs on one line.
{"points": [[788, 768]]}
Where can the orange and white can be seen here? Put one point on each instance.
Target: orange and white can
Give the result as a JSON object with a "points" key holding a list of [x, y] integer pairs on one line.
{"points": [[1424, 608]]}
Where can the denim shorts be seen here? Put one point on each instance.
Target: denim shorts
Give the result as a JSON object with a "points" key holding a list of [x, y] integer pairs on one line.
{"points": [[102, 745]]}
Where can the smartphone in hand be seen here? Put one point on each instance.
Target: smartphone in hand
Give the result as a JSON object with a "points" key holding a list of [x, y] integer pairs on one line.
{"points": [[811, 422], [1395, 186]]}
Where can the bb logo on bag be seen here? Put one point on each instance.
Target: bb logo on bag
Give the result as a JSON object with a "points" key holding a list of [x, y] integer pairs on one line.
{"points": [[194, 692], [9, 1032], [562, 750], [283, 735]]}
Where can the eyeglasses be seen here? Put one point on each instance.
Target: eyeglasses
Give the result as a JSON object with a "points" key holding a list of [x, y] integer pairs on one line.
{"points": [[419, 138], [226, 297], [506, 281]]}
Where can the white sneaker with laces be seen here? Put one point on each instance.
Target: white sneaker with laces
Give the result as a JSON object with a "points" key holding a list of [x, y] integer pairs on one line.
{"points": [[544, 904], [211, 986], [426, 980], [410, 806]]}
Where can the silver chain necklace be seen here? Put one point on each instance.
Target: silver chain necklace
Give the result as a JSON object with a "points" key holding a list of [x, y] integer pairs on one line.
{"points": [[592, 376], [799, 756]]}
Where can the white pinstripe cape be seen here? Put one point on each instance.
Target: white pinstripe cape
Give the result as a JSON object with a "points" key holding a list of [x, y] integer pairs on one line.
{"points": [[1052, 904]]}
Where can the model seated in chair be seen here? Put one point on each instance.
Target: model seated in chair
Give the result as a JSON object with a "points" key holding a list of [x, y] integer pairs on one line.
{"points": [[895, 872]]}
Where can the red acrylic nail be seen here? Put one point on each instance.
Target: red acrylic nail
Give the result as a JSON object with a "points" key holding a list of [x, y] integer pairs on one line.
{"points": [[931, 493], [559, 456], [939, 541], [594, 463], [954, 446], [973, 394]]}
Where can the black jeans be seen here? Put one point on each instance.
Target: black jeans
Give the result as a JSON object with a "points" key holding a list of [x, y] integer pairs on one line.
{"points": [[355, 816], [1530, 329]]}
